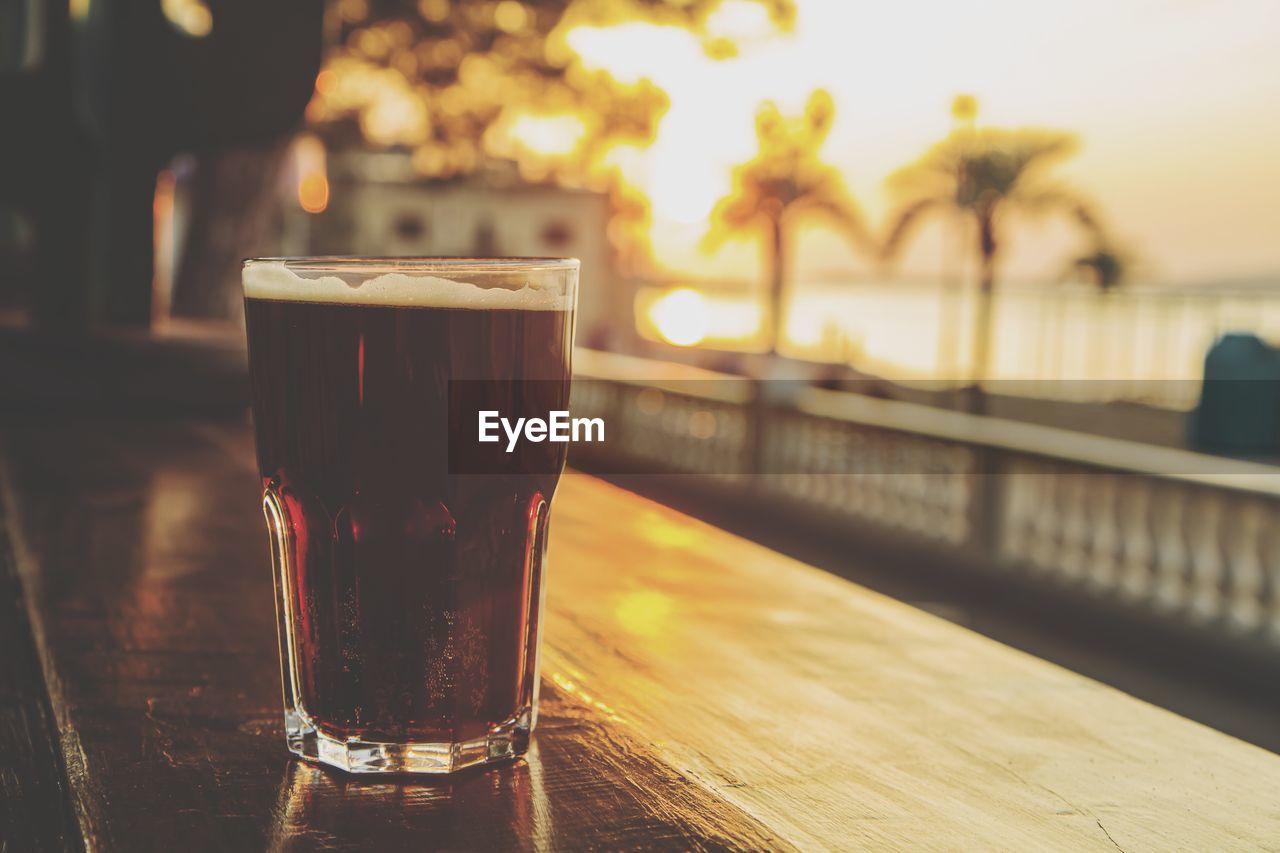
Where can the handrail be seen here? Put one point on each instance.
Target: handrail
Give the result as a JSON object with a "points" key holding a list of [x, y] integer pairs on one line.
{"points": [[1186, 536], [1048, 442], [1098, 451], [668, 376]]}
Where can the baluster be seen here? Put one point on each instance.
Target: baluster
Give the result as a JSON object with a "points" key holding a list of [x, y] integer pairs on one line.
{"points": [[1270, 552], [911, 509], [1245, 578], [1104, 531], [960, 495], [1137, 533], [1073, 555], [891, 482], [1047, 522], [1168, 591], [873, 481], [1022, 498], [1207, 568], [855, 498], [935, 490]]}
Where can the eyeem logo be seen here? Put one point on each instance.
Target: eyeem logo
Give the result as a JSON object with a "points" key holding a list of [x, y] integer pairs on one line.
{"points": [[558, 428]]}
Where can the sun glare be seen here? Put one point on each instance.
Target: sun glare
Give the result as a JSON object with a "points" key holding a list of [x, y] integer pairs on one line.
{"points": [[679, 194], [687, 317], [1150, 103], [681, 317], [740, 20], [709, 125], [636, 51]]}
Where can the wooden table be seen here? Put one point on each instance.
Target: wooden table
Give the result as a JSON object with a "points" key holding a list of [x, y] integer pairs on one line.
{"points": [[699, 692]]}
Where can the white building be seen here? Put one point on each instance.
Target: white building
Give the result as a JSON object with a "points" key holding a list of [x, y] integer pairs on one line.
{"points": [[378, 206]]}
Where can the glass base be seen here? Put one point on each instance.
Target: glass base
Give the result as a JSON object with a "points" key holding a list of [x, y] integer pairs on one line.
{"points": [[503, 742]]}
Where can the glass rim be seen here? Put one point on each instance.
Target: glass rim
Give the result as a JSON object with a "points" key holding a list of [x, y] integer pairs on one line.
{"points": [[424, 264]]}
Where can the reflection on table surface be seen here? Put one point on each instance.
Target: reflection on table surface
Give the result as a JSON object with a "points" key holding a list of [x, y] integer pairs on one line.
{"points": [[698, 690]]}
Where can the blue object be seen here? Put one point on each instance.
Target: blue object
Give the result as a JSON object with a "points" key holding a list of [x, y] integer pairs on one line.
{"points": [[1239, 409]]}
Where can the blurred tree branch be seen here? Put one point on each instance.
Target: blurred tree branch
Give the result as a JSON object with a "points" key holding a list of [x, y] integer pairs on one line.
{"points": [[455, 84], [439, 77]]}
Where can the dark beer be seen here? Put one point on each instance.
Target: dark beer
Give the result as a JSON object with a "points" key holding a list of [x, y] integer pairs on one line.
{"points": [[410, 592]]}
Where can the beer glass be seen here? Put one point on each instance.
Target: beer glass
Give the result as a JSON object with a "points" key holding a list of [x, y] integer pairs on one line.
{"points": [[408, 592]]}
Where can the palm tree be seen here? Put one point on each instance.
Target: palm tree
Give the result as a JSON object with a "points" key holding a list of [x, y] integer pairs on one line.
{"points": [[985, 174], [785, 179], [1104, 266]]}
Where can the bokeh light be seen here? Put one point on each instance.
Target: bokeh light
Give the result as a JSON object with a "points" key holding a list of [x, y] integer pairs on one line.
{"points": [[189, 17]]}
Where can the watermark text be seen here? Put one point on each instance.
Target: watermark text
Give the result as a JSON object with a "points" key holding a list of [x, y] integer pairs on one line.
{"points": [[558, 427]]}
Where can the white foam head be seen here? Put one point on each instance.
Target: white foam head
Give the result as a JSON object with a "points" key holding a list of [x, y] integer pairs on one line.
{"points": [[275, 280]]}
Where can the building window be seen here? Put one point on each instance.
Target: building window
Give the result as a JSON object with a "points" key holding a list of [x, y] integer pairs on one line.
{"points": [[408, 225], [557, 234]]}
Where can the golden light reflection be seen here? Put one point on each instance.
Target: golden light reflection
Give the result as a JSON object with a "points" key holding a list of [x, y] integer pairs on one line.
{"points": [[309, 164], [313, 193], [893, 335], [577, 691], [686, 316], [164, 239], [896, 336], [681, 317], [644, 612], [190, 17], [661, 530]]}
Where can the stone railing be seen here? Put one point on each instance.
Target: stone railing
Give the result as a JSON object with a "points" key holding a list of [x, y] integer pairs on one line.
{"points": [[1184, 535]]}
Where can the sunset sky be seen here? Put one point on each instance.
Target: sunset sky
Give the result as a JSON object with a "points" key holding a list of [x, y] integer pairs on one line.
{"points": [[1175, 104]]}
